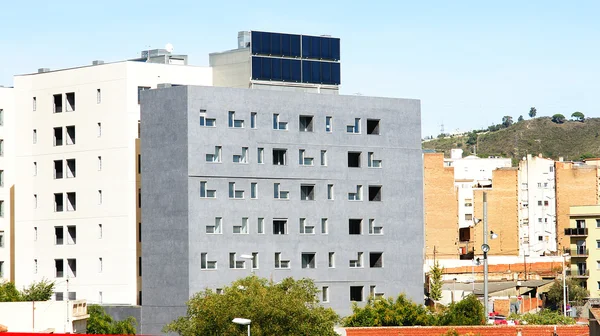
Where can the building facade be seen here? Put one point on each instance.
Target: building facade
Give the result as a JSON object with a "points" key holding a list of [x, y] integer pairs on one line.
{"points": [[280, 184], [7, 157], [583, 234]]}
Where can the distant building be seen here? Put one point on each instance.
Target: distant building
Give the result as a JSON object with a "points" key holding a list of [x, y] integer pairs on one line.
{"points": [[7, 189], [583, 235]]}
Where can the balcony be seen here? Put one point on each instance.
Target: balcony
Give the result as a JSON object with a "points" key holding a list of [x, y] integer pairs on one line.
{"points": [[577, 252], [578, 273], [576, 232]]}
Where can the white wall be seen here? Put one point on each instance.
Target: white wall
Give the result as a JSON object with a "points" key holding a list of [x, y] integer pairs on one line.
{"points": [[7, 131], [62, 316], [473, 167]]}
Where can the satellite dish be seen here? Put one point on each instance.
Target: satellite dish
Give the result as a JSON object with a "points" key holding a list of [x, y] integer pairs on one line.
{"points": [[169, 47]]}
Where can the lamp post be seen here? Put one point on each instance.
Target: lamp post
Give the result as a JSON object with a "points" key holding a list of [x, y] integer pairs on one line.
{"points": [[564, 284], [242, 321], [250, 258], [485, 248]]}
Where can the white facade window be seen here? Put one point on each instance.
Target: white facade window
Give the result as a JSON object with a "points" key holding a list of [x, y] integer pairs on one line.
{"points": [[206, 193], [35, 201], [35, 231], [325, 294], [1, 117], [356, 196], [99, 129], [261, 226], [375, 229], [207, 122], [306, 228], [100, 233], [100, 266], [243, 228], [253, 117], [236, 264], [278, 124], [98, 96], [99, 197], [206, 264], [330, 191], [99, 163], [279, 262], [260, 155], [323, 158], [328, 124], [234, 123], [34, 103], [355, 129], [303, 160], [324, 226], [214, 157], [35, 266], [1, 239], [372, 163], [254, 190], [234, 193], [35, 169], [1, 208], [331, 259], [34, 136], [278, 193], [243, 158], [309, 260], [216, 228], [358, 262]]}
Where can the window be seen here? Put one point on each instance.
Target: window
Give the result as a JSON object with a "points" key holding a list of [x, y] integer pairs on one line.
{"points": [[468, 202], [1, 208], [57, 99], [372, 126], [236, 264], [331, 260], [254, 260], [260, 226], [598, 223], [330, 191], [307, 192], [539, 185], [261, 155], [35, 266], [580, 223], [99, 197], [58, 296], [2, 178], [139, 163], [71, 168], [216, 228], [70, 100], [539, 203], [71, 235], [277, 124], [306, 123], [280, 263], [328, 124], [376, 259], [98, 96], [100, 265], [205, 263], [139, 90], [304, 160], [216, 157], [279, 157], [34, 136], [323, 158], [355, 129], [99, 163], [1, 269], [71, 201], [1, 239], [59, 268], [58, 136], [598, 244], [308, 260], [306, 228], [35, 201], [99, 231], [253, 117], [243, 228], [355, 226], [372, 163], [34, 103], [70, 135], [99, 129], [206, 122], [545, 203], [35, 233], [254, 190], [278, 193], [356, 196], [139, 232], [279, 226], [374, 229], [58, 169], [325, 294], [34, 171], [551, 169], [324, 226], [139, 198], [374, 193], [357, 263], [243, 158], [234, 123], [58, 202], [58, 235], [354, 159], [72, 264], [233, 193], [139, 266], [1, 117], [1, 147]]}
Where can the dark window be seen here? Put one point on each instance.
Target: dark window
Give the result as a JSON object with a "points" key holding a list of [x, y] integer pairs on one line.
{"points": [[308, 260], [356, 293], [139, 266], [372, 126], [139, 197], [58, 169], [58, 104], [139, 298], [70, 97], [306, 123], [58, 235], [70, 135], [279, 157], [58, 136], [279, 227], [72, 296], [58, 202], [354, 159], [464, 234], [374, 193], [307, 193], [58, 296], [354, 226], [59, 268], [140, 232], [376, 259]]}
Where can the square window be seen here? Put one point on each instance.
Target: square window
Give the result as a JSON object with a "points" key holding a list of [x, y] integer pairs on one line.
{"points": [[306, 228], [303, 160], [356, 293], [277, 124], [374, 229], [279, 157], [243, 228], [355, 226], [306, 123], [216, 228], [371, 162], [376, 259], [214, 157], [308, 260], [356, 196], [374, 193], [307, 192], [355, 129], [279, 262], [372, 126], [279, 226], [354, 159]]}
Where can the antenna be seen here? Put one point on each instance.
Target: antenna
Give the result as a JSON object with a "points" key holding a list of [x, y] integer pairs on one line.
{"points": [[169, 47], [442, 127]]}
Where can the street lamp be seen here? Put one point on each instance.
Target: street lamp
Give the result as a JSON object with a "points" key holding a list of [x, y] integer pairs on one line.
{"points": [[250, 258], [242, 321], [485, 248], [564, 284]]}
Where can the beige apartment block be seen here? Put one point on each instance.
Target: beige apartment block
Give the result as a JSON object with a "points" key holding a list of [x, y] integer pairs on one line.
{"points": [[583, 235]]}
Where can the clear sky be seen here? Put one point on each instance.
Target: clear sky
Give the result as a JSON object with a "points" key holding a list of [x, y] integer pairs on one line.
{"points": [[469, 62]]}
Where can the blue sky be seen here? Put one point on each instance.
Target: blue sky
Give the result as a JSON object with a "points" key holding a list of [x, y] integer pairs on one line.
{"points": [[469, 62]]}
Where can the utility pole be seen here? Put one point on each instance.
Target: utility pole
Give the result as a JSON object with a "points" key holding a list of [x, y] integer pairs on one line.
{"points": [[525, 265], [485, 248]]}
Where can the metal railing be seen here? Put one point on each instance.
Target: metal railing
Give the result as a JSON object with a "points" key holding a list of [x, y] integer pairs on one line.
{"points": [[576, 232]]}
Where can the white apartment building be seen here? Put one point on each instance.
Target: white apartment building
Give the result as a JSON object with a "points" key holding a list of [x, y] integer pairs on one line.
{"points": [[7, 153], [537, 206], [78, 183]]}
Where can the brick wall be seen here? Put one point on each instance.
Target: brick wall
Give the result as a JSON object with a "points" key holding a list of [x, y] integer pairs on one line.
{"points": [[575, 330]]}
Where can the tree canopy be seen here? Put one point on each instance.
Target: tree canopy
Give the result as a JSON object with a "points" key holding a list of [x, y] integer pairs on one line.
{"points": [[578, 116], [435, 286], [545, 317], [289, 307], [558, 118], [507, 121], [468, 311], [577, 294], [100, 322], [532, 112], [37, 291]]}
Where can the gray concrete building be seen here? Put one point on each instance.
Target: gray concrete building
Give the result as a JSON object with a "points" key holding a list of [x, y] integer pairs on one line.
{"points": [[281, 184]]}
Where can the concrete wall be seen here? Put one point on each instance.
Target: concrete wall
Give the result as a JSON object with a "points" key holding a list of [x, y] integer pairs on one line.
{"points": [[7, 164], [62, 316], [400, 211], [231, 68], [120, 313]]}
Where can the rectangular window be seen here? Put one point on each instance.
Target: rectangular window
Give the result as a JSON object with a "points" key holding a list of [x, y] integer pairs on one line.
{"points": [[277, 124], [376, 259], [207, 122], [324, 226], [58, 136], [357, 263], [34, 136], [139, 164], [545, 203], [34, 103], [58, 235], [308, 260], [307, 192], [355, 226], [70, 100], [356, 196], [1, 117], [139, 266], [355, 129], [70, 135], [254, 190], [236, 264], [58, 296], [35, 266], [216, 228], [71, 235], [98, 96], [35, 230], [306, 123], [234, 193], [1, 208], [279, 226], [253, 117], [278, 193], [331, 259], [598, 244], [206, 193], [72, 264], [303, 160], [35, 201], [261, 226], [243, 228], [330, 191], [306, 228], [71, 168], [99, 197], [372, 126], [139, 232], [100, 231], [374, 229], [371, 162], [59, 268], [598, 223], [280, 263], [323, 158], [34, 170], [214, 157], [57, 100], [328, 124], [354, 159], [1, 239], [234, 123], [539, 203], [58, 202], [1, 178], [325, 294], [243, 158], [71, 201], [100, 266], [99, 130], [99, 163], [205, 263], [254, 260], [261, 155], [279, 157], [374, 193]]}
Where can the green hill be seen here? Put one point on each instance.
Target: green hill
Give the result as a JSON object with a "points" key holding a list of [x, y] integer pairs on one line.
{"points": [[572, 140]]}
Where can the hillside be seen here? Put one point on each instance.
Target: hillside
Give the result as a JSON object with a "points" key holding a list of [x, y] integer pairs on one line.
{"points": [[571, 140]]}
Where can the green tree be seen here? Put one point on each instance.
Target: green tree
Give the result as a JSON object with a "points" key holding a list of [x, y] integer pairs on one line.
{"points": [[545, 317], [100, 322], [38, 291], [577, 294], [532, 112], [468, 311], [558, 118], [472, 138], [507, 121], [578, 116], [520, 118], [9, 292], [389, 312], [289, 307], [435, 285]]}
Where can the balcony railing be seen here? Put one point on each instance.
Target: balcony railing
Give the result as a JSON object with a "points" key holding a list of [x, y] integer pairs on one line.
{"points": [[577, 252], [576, 232], [578, 273]]}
